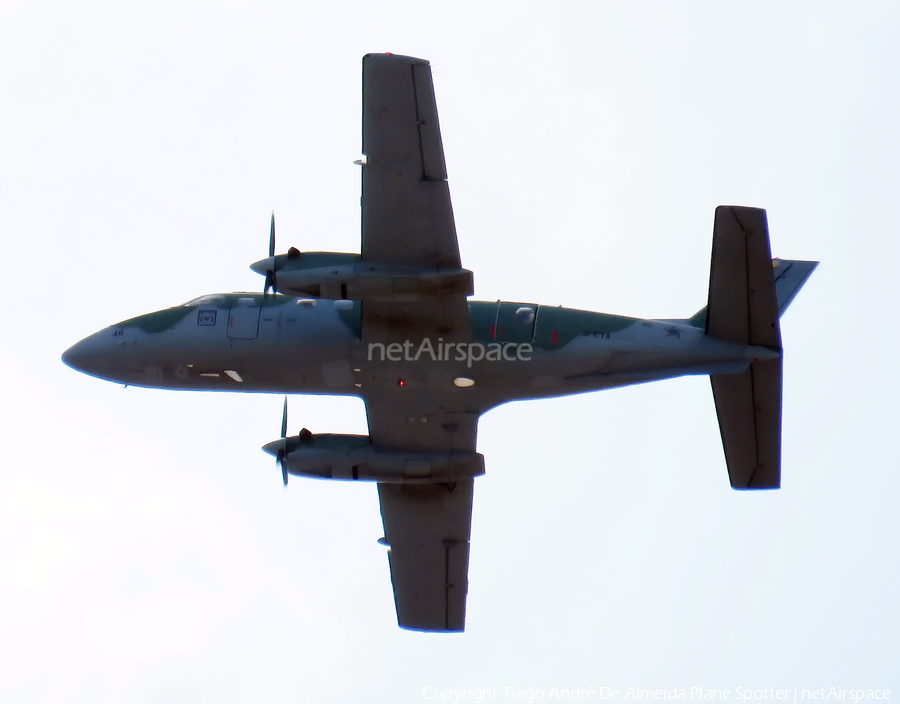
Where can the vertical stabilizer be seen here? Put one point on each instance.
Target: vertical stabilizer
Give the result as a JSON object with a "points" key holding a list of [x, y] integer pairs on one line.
{"points": [[743, 308]]}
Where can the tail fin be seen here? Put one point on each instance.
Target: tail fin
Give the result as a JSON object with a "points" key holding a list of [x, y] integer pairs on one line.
{"points": [[748, 293], [744, 307]]}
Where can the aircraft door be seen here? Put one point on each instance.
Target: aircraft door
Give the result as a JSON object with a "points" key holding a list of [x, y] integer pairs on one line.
{"points": [[515, 322], [243, 321]]}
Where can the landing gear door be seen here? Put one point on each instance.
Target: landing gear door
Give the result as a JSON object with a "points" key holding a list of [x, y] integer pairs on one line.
{"points": [[515, 322], [243, 321]]}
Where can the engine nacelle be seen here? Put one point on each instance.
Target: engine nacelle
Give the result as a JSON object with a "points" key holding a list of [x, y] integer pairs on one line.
{"points": [[365, 282], [335, 275], [355, 458]]}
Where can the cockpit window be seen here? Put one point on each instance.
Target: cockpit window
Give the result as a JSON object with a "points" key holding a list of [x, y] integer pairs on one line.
{"points": [[208, 300]]}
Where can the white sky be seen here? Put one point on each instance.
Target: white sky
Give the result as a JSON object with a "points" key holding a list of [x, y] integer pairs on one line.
{"points": [[148, 552]]}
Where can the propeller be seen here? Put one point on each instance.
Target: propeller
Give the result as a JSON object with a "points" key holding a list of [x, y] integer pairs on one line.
{"points": [[270, 265], [281, 448], [280, 456]]}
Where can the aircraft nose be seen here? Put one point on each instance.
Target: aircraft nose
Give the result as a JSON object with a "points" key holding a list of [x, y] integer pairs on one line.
{"points": [[93, 355], [77, 356]]}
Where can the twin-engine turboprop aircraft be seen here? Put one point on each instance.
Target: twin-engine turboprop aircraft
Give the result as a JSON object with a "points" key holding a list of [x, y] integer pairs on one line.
{"points": [[393, 326]]}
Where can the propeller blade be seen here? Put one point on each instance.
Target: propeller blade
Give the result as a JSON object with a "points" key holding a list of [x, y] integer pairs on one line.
{"points": [[284, 473], [271, 284], [272, 237]]}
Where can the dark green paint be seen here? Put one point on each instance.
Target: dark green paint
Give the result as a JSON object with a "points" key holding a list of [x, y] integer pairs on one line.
{"points": [[496, 322], [483, 315], [557, 327], [352, 318], [552, 329], [159, 321], [314, 260], [698, 319], [510, 328]]}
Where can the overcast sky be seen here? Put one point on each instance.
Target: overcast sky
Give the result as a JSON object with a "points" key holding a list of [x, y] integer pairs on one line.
{"points": [[148, 551]]}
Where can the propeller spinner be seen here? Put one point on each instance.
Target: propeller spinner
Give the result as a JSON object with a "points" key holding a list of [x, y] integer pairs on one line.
{"points": [[282, 447], [269, 266]]}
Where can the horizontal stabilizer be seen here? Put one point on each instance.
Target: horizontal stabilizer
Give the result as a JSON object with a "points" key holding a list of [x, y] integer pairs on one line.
{"points": [[742, 304], [790, 275], [743, 308], [749, 410]]}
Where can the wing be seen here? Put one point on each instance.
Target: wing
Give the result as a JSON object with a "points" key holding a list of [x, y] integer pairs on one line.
{"points": [[426, 525], [406, 214], [407, 218], [427, 529], [407, 222]]}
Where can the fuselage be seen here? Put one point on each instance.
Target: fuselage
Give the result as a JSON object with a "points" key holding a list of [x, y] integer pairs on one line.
{"points": [[274, 343]]}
